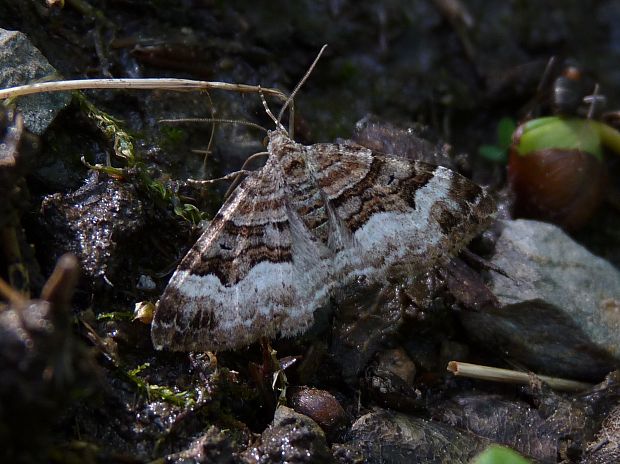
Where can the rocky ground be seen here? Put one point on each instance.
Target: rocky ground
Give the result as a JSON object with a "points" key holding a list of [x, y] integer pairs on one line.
{"points": [[79, 378]]}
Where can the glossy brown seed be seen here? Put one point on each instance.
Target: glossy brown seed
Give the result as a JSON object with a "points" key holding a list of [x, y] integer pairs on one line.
{"points": [[320, 405], [557, 185]]}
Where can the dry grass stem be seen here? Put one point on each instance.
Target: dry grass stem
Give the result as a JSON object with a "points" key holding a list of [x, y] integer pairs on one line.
{"points": [[135, 84], [494, 374]]}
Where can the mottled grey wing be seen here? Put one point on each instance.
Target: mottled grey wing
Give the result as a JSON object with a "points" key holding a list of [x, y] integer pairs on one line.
{"points": [[237, 283], [402, 215]]}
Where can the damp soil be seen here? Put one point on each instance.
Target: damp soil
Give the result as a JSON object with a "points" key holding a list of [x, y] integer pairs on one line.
{"points": [[426, 80]]}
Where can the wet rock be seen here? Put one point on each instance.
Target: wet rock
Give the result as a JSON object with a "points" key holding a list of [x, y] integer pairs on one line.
{"points": [[292, 437], [21, 63], [388, 380], [603, 402], [556, 309], [153, 426], [510, 422], [606, 445], [93, 222], [321, 406], [397, 363], [347, 454], [212, 447], [546, 426], [385, 436]]}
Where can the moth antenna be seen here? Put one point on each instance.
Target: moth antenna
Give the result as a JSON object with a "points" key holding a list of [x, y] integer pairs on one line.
{"points": [[545, 80], [211, 136], [289, 101], [273, 118], [226, 121]]}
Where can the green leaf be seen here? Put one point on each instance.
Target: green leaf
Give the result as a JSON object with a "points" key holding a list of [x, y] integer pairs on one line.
{"points": [[115, 316], [183, 398], [496, 454], [505, 129], [159, 189], [133, 373], [189, 212], [493, 153]]}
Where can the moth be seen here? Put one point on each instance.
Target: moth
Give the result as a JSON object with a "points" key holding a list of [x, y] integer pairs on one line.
{"points": [[313, 219]]}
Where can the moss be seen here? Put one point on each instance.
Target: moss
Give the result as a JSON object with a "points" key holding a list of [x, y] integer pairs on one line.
{"points": [[181, 398]]}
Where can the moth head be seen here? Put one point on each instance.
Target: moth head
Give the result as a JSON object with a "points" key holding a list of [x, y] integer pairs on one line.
{"points": [[278, 139]]}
